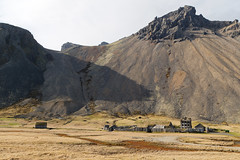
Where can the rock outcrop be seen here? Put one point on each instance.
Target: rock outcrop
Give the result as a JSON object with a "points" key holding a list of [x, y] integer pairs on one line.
{"points": [[176, 24], [232, 30], [68, 46], [103, 43]]}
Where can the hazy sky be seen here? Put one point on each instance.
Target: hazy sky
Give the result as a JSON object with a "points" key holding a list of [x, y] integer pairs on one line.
{"points": [[89, 22]]}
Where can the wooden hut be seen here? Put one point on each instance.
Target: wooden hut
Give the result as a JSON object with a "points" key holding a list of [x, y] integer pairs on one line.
{"points": [[200, 128], [41, 125]]}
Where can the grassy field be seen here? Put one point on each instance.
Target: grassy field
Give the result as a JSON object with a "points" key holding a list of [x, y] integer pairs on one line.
{"points": [[82, 137]]}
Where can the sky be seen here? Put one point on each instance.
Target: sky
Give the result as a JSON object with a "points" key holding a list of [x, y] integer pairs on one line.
{"points": [[89, 22]]}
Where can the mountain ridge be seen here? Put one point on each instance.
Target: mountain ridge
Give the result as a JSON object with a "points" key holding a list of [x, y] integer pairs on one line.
{"points": [[181, 64]]}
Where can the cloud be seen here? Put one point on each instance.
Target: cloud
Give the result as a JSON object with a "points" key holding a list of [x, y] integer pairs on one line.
{"points": [[89, 22]]}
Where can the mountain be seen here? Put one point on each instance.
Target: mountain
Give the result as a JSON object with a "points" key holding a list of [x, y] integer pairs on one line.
{"points": [[180, 64], [22, 63]]}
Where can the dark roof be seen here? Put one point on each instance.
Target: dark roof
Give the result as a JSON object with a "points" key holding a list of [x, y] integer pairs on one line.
{"points": [[41, 123], [199, 126]]}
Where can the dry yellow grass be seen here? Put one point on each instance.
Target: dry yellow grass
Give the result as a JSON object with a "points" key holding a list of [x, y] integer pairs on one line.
{"points": [[81, 137], [46, 144], [219, 141]]}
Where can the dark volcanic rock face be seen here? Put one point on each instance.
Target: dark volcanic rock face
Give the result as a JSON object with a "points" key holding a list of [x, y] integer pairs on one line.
{"points": [[22, 62], [174, 25]]}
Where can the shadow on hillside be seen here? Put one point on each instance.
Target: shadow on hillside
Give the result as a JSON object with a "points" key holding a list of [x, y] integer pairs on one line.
{"points": [[71, 83], [103, 83]]}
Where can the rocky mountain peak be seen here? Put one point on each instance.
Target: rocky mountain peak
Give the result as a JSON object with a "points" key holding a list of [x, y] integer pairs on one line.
{"points": [[188, 10], [68, 46], [174, 24], [182, 12]]}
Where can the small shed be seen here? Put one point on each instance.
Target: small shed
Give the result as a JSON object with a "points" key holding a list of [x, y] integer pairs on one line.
{"points": [[41, 125], [106, 127], [200, 128]]}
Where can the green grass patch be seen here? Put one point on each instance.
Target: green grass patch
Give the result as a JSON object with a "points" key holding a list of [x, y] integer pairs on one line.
{"points": [[6, 119], [13, 124]]}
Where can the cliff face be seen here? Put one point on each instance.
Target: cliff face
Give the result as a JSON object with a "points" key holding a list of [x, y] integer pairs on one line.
{"points": [[179, 65], [22, 62]]}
